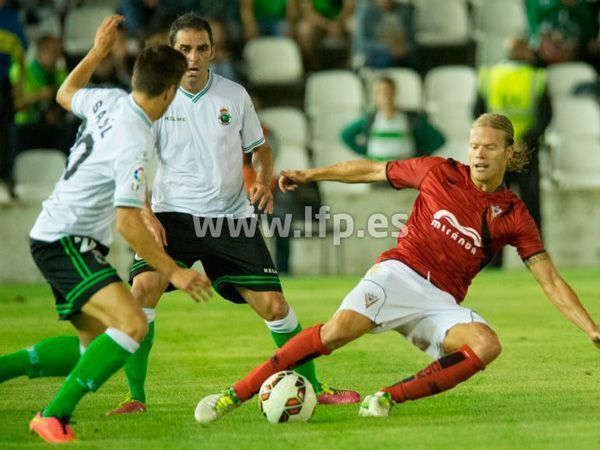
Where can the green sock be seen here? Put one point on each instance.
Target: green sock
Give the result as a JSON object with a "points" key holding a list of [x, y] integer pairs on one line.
{"points": [[308, 368], [48, 358], [136, 367], [100, 361]]}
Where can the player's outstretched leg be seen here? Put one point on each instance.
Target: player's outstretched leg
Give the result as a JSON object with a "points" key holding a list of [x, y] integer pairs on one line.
{"points": [[304, 346], [343, 327], [281, 320], [479, 347], [52, 357]]}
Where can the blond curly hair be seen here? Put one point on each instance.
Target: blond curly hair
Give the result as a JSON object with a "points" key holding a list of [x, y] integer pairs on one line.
{"points": [[521, 154]]}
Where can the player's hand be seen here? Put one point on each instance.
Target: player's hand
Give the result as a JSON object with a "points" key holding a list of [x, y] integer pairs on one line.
{"points": [[290, 179], [262, 197], [190, 281], [155, 227], [106, 36]]}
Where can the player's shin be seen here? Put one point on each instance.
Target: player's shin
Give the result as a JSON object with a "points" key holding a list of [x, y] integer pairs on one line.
{"points": [[136, 367], [285, 329], [48, 358], [303, 347], [439, 376], [105, 355]]}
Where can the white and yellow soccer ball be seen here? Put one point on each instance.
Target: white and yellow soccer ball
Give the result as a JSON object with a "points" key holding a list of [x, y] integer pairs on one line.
{"points": [[287, 397]]}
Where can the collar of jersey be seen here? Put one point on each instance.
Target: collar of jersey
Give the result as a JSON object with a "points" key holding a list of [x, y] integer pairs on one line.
{"points": [[139, 111], [195, 97]]}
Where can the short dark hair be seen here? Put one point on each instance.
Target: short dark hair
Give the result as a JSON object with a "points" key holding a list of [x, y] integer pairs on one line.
{"points": [[189, 20], [157, 68]]}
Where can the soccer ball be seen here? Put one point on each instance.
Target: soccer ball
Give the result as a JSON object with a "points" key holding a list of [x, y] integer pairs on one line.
{"points": [[287, 397]]}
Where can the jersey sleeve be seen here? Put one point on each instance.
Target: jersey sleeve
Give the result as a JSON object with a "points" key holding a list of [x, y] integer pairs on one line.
{"points": [[85, 100], [409, 173], [252, 134], [130, 175], [526, 237]]}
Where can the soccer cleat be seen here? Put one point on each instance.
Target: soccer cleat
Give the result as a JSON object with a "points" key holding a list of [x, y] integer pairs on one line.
{"points": [[331, 396], [128, 406], [376, 405], [52, 429], [215, 406]]}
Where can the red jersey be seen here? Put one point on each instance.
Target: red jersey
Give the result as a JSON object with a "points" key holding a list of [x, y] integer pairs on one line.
{"points": [[454, 229]]}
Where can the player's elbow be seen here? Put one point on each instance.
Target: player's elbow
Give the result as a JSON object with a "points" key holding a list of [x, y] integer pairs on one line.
{"points": [[63, 98]]}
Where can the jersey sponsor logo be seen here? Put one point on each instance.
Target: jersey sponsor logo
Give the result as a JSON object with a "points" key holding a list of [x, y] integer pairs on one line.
{"points": [[138, 178], [456, 231], [370, 299], [224, 116], [174, 119]]}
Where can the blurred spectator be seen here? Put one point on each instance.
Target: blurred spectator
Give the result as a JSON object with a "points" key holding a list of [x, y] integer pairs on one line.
{"points": [[12, 49], [561, 30], [518, 90], [268, 17], [140, 14], [322, 19], [222, 62], [384, 34], [388, 133], [40, 122], [228, 13]]}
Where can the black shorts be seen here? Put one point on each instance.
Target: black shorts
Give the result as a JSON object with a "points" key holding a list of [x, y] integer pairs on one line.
{"points": [[229, 259], [76, 268]]}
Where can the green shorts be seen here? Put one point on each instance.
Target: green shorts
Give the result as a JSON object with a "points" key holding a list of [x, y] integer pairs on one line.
{"points": [[76, 268]]}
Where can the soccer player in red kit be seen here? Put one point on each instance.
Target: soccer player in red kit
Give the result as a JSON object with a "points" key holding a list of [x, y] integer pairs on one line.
{"points": [[461, 218]]}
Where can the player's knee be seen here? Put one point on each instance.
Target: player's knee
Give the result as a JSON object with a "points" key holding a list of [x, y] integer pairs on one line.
{"points": [[485, 343], [275, 308], [134, 325], [147, 289], [336, 333]]}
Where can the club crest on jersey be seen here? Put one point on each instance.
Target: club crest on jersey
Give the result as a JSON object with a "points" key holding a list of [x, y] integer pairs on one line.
{"points": [[370, 299], [448, 224], [137, 179], [495, 212], [224, 116]]}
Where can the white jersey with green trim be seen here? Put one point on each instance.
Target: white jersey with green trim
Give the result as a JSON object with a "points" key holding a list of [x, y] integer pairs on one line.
{"points": [[200, 141], [105, 168]]}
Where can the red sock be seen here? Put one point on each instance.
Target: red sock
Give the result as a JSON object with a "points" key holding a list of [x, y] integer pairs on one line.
{"points": [[303, 347], [439, 376]]}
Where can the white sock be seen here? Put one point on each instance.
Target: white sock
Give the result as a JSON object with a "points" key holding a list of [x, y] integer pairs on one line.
{"points": [[150, 314], [123, 339], [286, 325], [81, 349]]}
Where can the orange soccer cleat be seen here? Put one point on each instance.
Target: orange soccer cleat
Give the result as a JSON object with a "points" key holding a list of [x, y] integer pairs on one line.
{"points": [[52, 429]]}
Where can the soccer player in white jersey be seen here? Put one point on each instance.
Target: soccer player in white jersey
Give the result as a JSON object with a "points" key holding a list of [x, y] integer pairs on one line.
{"points": [[199, 143], [104, 177]]}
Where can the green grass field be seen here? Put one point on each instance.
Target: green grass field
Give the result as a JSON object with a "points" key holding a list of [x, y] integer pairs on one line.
{"points": [[541, 393]]}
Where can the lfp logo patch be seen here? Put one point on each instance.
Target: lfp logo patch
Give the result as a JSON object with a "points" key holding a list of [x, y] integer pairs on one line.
{"points": [[138, 178], [224, 116]]}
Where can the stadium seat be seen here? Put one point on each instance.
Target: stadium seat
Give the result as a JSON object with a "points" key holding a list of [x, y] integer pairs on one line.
{"points": [[563, 78], [500, 17], [80, 27], [273, 60], [490, 49], [291, 157], [287, 124], [442, 22], [326, 128], [457, 149], [450, 84], [454, 121], [409, 87], [36, 173], [332, 91], [573, 164], [575, 116]]}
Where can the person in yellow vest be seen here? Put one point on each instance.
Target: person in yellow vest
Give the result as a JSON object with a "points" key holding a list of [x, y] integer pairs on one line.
{"points": [[517, 89]]}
